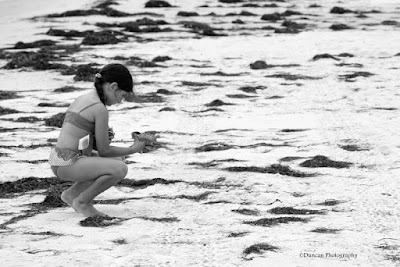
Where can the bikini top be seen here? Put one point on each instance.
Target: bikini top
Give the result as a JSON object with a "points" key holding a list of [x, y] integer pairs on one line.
{"points": [[77, 120]]}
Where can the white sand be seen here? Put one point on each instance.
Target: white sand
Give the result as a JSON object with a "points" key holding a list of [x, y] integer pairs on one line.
{"points": [[332, 112]]}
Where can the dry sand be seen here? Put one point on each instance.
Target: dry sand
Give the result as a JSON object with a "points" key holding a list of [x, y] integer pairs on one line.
{"points": [[228, 185]]}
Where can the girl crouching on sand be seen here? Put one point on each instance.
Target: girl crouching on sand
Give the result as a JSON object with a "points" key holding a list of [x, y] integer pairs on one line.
{"points": [[85, 120]]}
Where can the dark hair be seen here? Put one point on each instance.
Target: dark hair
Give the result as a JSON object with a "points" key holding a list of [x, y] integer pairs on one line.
{"points": [[113, 73]]}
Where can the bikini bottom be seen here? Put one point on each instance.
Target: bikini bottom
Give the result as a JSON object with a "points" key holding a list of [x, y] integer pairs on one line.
{"points": [[63, 157]]}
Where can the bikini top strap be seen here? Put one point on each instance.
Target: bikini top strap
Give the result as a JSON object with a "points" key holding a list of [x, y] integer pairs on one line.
{"points": [[95, 103]]}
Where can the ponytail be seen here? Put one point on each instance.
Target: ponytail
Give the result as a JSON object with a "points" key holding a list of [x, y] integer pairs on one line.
{"points": [[98, 84]]}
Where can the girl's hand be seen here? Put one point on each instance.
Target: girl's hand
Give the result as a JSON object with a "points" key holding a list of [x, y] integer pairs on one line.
{"points": [[111, 134], [139, 145]]}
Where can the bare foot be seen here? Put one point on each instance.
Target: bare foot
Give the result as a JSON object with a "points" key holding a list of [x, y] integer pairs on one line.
{"points": [[86, 209], [68, 198]]}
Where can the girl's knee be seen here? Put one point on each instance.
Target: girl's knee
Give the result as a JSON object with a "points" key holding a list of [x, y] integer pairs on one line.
{"points": [[120, 170]]}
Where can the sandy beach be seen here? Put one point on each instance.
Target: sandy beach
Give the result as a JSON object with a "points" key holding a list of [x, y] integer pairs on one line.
{"points": [[278, 125]]}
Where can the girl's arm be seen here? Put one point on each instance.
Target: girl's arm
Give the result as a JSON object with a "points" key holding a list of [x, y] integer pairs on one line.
{"points": [[102, 140]]}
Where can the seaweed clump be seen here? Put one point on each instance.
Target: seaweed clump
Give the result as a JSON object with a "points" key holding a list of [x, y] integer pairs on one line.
{"points": [[5, 111], [324, 162], [101, 38], [330, 202], [323, 230], [56, 120], [199, 197], [100, 221], [35, 44], [352, 148], [273, 169], [267, 222], [217, 103], [37, 61], [291, 210], [247, 212], [157, 4], [167, 219], [214, 147], [85, 73], [259, 248], [26, 184], [145, 183], [8, 95]]}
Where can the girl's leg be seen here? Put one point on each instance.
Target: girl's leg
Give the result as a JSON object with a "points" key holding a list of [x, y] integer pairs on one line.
{"points": [[93, 175], [74, 191]]}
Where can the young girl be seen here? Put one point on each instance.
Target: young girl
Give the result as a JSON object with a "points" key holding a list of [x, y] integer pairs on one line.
{"points": [[87, 119]]}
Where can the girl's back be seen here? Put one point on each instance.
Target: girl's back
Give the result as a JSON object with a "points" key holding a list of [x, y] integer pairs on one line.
{"points": [[79, 121]]}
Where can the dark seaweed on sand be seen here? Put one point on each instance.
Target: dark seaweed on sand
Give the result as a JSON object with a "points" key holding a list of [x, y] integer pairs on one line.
{"points": [[99, 221], [330, 202], [54, 105], [247, 212], [212, 163], [6, 111], [32, 146], [252, 89], [67, 89], [352, 148], [29, 119], [197, 84], [214, 147], [323, 230], [37, 61], [165, 92], [238, 234], [340, 27], [98, 10], [28, 184], [324, 162], [286, 159], [68, 33], [196, 26], [217, 103], [25, 215], [293, 130], [103, 38], [267, 222], [36, 44], [220, 73], [355, 75], [139, 184], [292, 77], [340, 10], [150, 98], [167, 219], [157, 4], [291, 210], [86, 72], [4, 95], [53, 197], [241, 96], [55, 120], [260, 248], [167, 109], [260, 64], [273, 169], [48, 233], [323, 56], [202, 196]]}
